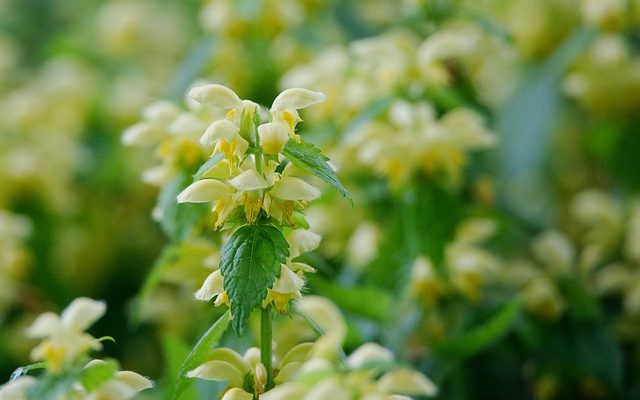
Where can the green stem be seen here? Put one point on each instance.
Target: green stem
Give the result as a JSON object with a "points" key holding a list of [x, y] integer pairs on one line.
{"points": [[265, 345]]}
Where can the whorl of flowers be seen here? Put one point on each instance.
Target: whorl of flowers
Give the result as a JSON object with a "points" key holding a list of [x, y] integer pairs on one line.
{"points": [[64, 356], [257, 181]]}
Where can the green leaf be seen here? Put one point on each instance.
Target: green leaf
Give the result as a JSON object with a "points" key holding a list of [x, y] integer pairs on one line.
{"points": [[198, 354], [482, 336], [179, 219], [204, 168], [369, 302], [526, 123], [421, 222], [583, 306], [175, 351], [250, 263], [97, 374], [308, 157]]}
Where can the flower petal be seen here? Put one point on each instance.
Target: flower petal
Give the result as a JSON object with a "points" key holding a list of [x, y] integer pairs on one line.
{"points": [[249, 180], [273, 137], [230, 356], [44, 325], [134, 380], [218, 371], [237, 394], [297, 98], [408, 382], [290, 188], [215, 95], [17, 389], [82, 313], [287, 391], [203, 191], [212, 286], [368, 353], [221, 129], [289, 281], [302, 241], [141, 133]]}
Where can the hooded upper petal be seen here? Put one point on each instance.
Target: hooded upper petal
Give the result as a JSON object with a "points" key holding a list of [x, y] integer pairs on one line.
{"points": [[211, 287], [221, 129], [297, 98], [82, 313], [216, 95], [249, 180], [291, 188], [203, 191]]}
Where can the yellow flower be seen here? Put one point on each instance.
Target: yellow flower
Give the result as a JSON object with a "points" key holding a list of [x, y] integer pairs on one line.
{"points": [[65, 337], [286, 105], [123, 385]]}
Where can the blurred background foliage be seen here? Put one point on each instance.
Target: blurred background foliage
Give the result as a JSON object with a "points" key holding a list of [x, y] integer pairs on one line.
{"points": [[490, 146]]}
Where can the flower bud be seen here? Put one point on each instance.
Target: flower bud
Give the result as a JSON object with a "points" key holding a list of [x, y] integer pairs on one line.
{"points": [[273, 137], [261, 374]]}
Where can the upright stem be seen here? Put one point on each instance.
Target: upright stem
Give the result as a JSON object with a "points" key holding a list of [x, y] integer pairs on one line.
{"points": [[266, 344]]}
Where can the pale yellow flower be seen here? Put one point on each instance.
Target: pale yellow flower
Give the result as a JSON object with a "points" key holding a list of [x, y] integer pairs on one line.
{"points": [[64, 336]]}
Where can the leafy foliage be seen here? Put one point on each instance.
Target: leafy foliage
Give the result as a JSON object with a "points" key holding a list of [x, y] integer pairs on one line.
{"points": [[250, 262], [97, 374], [366, 301], [308, 157], [480, 337], [424, 221], [198, 354]]}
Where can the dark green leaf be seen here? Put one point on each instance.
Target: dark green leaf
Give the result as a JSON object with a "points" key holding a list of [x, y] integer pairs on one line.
{"points": [[583, 306], [175, 351], [482, 336], [308, 157], [97, 374], [198, 355], [250, 262], [368, 302], [422, 223]]}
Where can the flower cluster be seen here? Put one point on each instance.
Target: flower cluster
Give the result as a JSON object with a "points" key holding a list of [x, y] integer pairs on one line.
{"points": [[314, 369], [411, 139], [64, 352], [248, 178]]}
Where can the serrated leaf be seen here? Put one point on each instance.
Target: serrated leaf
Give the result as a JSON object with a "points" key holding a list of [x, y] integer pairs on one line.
{"points": [[198, 354], [480, 337], [308, 157], [250, 263], [178, 219], [97, 374]]}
